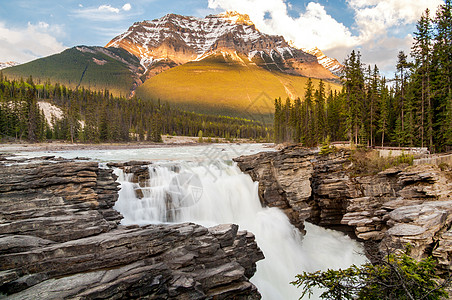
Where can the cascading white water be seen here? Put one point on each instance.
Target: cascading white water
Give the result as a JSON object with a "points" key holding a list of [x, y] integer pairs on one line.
{"points": [[217, 193]]}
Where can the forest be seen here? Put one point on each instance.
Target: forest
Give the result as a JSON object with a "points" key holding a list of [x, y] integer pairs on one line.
{"points": [[414, 109], [97, 116]]}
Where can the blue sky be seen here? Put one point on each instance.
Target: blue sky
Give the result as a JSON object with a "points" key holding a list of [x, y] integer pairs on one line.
{"points": [[30, 29]]}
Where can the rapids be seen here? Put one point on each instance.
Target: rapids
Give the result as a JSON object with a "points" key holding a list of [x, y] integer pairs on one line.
{"points": [[211, 193]]}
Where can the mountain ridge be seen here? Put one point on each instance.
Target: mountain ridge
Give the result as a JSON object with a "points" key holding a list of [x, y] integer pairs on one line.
{"points": [[175, 39], [4, 65]]}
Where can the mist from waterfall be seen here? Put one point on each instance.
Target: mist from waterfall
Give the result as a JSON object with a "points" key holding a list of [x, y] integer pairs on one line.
{"points": [[217, 193]]}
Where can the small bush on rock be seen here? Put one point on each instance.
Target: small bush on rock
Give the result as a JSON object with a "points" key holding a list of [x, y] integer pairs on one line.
{"points": [[398, 276]]}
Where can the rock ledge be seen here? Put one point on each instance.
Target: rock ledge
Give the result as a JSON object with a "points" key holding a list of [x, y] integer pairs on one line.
{"points": [[60, 238]]}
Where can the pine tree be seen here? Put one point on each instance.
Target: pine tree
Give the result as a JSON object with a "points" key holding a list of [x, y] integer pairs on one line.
{"points": [[354, 88], [373, 100], [402, 66], [286, 109], [422, 53], [383, 106], [297, 121], [307, 123], [277, 121], [319, 115]]}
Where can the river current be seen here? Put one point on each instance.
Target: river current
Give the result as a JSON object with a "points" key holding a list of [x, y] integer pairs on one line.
{"points": [[201, 184]]}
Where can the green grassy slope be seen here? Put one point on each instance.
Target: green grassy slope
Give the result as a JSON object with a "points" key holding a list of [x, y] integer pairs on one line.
{"points": [[68, 66], [224, 86]]}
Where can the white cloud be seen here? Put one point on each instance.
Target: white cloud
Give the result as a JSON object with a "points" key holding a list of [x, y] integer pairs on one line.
{"points": [[108, 8], [104, 12], [374, 17], [312, 28], [25, 44], [126, 7], [376, 25]]}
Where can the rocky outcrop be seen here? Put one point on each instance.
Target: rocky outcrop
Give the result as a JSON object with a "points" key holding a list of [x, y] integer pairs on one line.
{"points": [[284, 181], [60, 238], [58, 201], [388, 210]]}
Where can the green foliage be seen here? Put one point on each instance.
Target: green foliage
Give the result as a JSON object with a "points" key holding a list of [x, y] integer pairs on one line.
{"points": [[326, 147], [200, 136], [306, 121], [20, 116], [398, 276], [92, 116], [415, 111]]}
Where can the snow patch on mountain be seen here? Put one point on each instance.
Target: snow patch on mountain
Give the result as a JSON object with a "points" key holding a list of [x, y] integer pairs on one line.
{"points": [[4, 65], [329, 63], [177, 39], [201, 35]]}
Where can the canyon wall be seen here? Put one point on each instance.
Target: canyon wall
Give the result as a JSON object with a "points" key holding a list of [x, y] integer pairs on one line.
{"points": [[400, 205]]}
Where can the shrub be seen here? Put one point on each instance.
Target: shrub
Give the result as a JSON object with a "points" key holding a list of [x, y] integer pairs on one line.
{"points": [[398, 276], [326, 147]]}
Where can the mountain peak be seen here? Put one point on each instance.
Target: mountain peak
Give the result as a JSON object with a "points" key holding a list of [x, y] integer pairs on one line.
{"points": [[174, 40], [329, 63], [236, 18]]}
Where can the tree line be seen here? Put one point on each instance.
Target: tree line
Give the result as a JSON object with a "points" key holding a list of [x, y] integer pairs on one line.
{"points": [[97, 116], [413, 109]]}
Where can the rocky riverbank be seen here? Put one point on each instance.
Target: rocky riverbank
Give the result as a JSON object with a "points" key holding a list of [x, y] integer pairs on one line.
{"points": [[396, 206], [60, 238]]}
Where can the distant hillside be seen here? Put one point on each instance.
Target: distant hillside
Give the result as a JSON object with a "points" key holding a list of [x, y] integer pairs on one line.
{"points": [[94, 67], [225, 84]]}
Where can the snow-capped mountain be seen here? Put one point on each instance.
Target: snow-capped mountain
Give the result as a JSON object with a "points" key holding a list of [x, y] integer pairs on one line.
{"points": [[8, 64], [329, 63], [174, 40], [217, 64]]}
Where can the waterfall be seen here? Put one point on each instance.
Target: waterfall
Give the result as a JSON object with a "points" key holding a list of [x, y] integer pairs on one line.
{"points": [[216, 193]]}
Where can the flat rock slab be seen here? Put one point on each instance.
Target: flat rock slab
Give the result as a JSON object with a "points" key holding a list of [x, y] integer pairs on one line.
{"points": [[406, 230]]}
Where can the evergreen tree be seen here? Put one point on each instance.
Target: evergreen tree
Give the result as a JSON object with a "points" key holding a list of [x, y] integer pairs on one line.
{"points": [[383, 106], [319, 115], [297, 121], [355, 94], [372, 101], [422, 53], [402, 67], [307, 123]]}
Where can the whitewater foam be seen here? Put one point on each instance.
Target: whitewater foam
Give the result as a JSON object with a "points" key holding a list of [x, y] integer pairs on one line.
{"points": [[230, 196]]}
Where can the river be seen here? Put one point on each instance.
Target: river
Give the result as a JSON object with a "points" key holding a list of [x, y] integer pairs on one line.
{"points": [[201, 184]]}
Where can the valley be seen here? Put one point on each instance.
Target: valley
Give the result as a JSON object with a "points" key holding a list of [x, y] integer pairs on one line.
{"points": [[219, 64]]}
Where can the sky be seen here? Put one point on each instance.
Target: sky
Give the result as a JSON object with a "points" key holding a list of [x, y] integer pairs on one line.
{"points": [[379, 29]]}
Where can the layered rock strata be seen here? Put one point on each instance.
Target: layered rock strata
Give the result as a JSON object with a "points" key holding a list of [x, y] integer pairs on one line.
{"points": [[388, 210], [60, 238]]}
